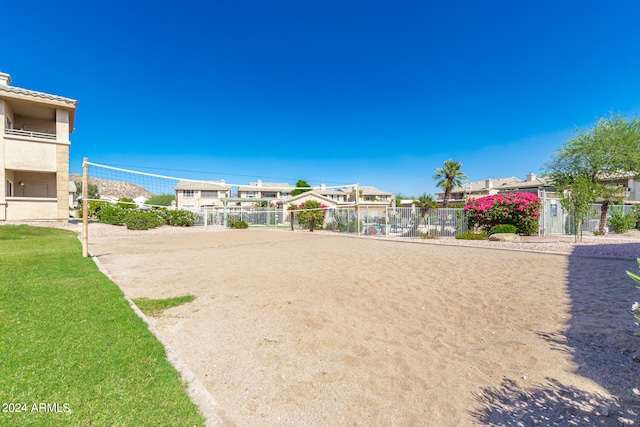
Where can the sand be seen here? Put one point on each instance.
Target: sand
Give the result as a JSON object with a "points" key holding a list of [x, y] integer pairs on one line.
{"points": [[305, 329]]}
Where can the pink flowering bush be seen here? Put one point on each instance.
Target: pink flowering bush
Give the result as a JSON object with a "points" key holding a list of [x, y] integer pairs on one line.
{"points": [[521, 210]]}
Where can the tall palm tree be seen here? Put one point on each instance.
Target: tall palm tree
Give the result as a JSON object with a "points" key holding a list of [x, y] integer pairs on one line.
{"points": [[449, 177]]}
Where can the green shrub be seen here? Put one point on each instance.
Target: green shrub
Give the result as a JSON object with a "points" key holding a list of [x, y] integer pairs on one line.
{"points": [[470, 235], [331, 226], [111, 214], [503, 228], [350, 227], [240, 224], [94, 207], [143, 220], [619, 222], [179, 218]]}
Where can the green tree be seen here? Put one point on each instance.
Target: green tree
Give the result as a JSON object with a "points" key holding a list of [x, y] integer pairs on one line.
{"points": [[448, 178], [577, 199], [603, 153], [301, 187], [92, 188]]}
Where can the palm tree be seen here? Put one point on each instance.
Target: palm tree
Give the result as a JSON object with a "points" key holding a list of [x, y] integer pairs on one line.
{"points": [[291, 208], [425, 204], [449, 177]]}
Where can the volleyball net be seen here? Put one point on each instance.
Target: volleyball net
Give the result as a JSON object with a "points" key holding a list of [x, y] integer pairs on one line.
{"points": [[216, 201]]}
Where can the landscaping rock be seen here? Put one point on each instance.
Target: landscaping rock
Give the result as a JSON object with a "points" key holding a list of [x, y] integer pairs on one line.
{"points": [[504, 237]]}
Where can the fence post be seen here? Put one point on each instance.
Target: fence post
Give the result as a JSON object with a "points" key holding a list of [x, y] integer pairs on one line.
{"points": [[358, 209], [85, 207], [386, 221]]}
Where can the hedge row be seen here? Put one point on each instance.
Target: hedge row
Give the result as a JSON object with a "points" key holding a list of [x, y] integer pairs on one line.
{"points": [[136, 219]]}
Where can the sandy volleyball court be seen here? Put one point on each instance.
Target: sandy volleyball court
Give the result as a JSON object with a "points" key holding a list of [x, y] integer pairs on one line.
{"points": [[302, 329]]}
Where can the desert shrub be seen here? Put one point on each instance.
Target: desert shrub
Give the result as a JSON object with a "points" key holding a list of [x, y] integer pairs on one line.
{"points": [[621, 222], [240, 224], [94, 207], [332, 226], [519, 209], [179, 218], [111, 214], [503, 228], [428, 235], [161, 200], [350, 227], [142, 220], [470, 235]]}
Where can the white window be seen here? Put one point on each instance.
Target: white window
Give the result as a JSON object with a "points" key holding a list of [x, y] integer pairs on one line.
{"points": [[9, 189], [187, 193], [209, 194]]}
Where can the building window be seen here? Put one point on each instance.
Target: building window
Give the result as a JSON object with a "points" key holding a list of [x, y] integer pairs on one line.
{"points": [[187, 193], [7, 123], [209, 195], [9, 189]]}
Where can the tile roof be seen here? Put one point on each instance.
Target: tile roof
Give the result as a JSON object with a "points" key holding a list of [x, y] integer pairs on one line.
{"points": [[202, 185], [35, 94]]}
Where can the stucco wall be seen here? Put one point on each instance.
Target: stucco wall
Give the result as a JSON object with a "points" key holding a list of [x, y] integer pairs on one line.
{"points": [[26, 209], [27, 155]]}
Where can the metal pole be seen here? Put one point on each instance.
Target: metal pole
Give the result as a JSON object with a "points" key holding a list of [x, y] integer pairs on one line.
{"points": [[85, 207], [386, 222]]}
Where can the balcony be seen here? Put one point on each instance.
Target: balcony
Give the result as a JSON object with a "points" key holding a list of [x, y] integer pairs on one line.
{"points": [[29, 134]]}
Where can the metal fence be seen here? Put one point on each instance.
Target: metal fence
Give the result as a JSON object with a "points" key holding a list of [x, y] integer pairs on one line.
{"points": [[376, 221], [554, 219], [397, 222]]}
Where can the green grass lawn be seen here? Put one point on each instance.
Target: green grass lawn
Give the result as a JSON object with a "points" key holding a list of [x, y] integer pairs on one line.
{"points": [[69, 339], [155, 307]]}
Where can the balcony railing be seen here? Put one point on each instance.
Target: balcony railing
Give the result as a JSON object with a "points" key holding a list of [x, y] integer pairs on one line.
{"points": [[30, 134]]}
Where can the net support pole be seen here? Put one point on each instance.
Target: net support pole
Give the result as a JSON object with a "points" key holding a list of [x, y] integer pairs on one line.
{"points": [[85, 207], [358, 209]]}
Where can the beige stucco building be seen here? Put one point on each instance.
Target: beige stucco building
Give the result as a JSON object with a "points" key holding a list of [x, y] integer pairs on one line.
{"points": [[201, 194], [34, 153]]}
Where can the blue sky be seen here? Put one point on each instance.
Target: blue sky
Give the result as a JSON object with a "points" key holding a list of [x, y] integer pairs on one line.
{"points": [[380, 93]]}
